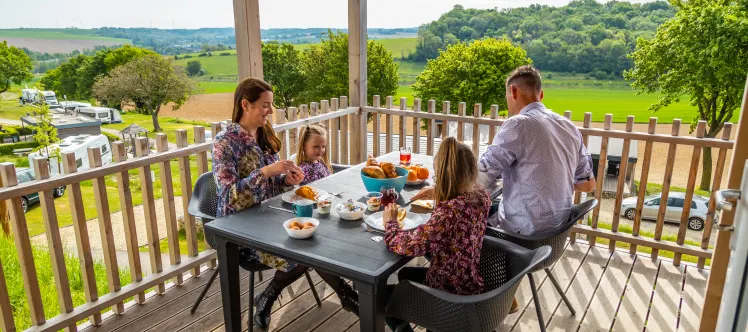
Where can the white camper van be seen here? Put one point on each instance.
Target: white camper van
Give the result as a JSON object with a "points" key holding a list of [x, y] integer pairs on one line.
{"points": [[72, 105], [103, 114], [79, 146], [34, 96]]}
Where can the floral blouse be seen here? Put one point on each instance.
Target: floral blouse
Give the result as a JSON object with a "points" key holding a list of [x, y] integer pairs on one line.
{"points": [[313, 171], [237, 160], [454, 238]]}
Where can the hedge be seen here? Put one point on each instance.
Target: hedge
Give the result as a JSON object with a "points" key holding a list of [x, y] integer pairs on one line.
{"points": [[7, 149], [14, 131], [112, 137]]}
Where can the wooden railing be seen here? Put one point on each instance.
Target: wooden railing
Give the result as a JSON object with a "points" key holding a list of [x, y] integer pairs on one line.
{"points": [[592, 231], [348, 144]]}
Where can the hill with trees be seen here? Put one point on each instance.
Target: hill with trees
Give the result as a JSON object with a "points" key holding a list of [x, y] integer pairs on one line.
{"points": [[584, 36]]}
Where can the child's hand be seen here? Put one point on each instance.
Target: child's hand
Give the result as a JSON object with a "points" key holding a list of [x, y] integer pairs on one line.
{"points": [[390, 213], [425, 193]]}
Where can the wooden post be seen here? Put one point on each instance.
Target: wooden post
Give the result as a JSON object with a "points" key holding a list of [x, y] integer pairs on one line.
{"points": [[202, 168], [54, 241], [128, 216], [601, 174], [326, 109], [149, 208], [643, 183], [357, 76], [402, 130], [445, 124], [716, 184], [492, 128], [577, 195], [344, 135], [666, 187], [477, 113], [721, 255], [695, 158], [23, 247], [389, 127], [185, 181], [6, 309], [335, 133], [314, 108], [430, 124], [375, 124], [461, 109], [621, 179], [282, 135], [293, 134], [170, 209], [4, 218], [248, 40], [416, 126]]}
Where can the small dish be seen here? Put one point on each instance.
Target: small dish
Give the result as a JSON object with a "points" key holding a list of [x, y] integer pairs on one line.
{"points": [[324, 204], [351, 210], [303, 233]]}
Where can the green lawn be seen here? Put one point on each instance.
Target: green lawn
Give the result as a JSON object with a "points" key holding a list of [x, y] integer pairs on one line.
{"points": [[216, 65], [77, 34], [16, 292], [209, 87]]}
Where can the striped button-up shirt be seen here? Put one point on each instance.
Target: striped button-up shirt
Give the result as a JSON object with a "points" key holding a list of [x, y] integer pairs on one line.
{"points": [[539, 155]]}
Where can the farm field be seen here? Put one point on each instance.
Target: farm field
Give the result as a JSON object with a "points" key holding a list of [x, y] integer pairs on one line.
{"points": [[57, 41]]}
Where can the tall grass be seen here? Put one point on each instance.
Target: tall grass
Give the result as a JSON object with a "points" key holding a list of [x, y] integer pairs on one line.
{"points": [[45, 275]]}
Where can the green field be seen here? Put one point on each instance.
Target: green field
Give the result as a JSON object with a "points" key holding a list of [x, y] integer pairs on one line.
{"points": [[77, 34]]}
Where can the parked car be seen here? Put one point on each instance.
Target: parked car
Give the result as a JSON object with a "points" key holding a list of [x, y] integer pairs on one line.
{"points": [[26, 175], [674, 209]]}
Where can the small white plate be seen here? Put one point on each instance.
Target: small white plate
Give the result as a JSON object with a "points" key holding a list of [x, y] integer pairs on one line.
{"points": [[412, 220], [291, 197], [415, 183]]}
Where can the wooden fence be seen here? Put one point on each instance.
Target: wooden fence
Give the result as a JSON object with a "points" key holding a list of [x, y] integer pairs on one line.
{"points": [[348, 144]]}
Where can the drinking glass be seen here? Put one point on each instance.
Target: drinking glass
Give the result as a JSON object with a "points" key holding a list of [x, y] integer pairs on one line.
{"points": [[388, 195], [405, 156]]}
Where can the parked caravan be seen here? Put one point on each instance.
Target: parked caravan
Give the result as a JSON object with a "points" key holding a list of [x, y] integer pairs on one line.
{"points": [[79, 146]]}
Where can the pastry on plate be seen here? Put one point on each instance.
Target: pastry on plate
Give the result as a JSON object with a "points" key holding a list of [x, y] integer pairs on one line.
{"points": [[374, 172], [307, 192]]}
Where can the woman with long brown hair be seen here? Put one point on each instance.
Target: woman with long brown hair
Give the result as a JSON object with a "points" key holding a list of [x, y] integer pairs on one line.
{"points": [[247, 171], [453, 236]]}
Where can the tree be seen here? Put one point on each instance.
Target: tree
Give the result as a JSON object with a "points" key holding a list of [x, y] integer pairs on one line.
{"points": [[473, 73], [194, 68], [150, 80], [281, 64], [45, 133], [326, 69], [700, 53], [15, 66]]}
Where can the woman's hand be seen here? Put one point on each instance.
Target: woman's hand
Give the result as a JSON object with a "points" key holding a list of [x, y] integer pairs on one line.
{"points": [[425, 193], [390, 213], [280, 167], [294, 178]]}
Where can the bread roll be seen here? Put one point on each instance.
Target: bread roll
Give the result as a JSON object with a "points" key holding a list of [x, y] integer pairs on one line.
{"points": [[389, 170], [374, 172]]}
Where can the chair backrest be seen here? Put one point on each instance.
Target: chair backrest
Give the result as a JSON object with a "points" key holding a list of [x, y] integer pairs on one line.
{"points": [[204, 202], [555, 238]]}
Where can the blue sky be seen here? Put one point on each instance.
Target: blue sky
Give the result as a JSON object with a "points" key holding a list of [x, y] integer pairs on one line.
{"points": [[219, 13]]}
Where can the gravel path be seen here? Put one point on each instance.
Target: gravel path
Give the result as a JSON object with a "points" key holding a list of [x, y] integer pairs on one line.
{"points": [[67, 233]]}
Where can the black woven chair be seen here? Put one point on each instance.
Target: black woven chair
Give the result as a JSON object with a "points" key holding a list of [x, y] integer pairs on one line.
{"points": [[503, 264], [203, 205], [556, 239]]}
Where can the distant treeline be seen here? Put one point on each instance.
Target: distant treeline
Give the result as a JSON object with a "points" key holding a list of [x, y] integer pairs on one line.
{"points": [[46, 61], [584, 36]]}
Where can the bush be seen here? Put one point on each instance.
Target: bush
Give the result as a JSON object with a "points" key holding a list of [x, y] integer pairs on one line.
{"points": [[7, 149], [225, 54], [112, 137], [202, 54], [14, 131], [187, 57]]}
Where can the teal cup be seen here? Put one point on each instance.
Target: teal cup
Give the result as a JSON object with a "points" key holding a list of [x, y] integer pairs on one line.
{"points": [[303, 208]]}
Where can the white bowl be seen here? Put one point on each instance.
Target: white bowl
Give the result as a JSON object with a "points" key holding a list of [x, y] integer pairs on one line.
{"points": [[300, 234], [348, 215]]}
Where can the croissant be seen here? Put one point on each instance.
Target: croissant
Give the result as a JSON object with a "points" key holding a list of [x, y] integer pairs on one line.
{"points": [[307, 192], [374, 172], [371, 161], [389, 170]]}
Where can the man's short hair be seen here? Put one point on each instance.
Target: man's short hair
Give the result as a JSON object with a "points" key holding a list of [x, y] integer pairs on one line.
{"points": [[526, 77]]}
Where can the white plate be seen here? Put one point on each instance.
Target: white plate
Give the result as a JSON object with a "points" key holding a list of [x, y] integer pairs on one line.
{"points": [[416, 182], [412, 220], [291, 197]]}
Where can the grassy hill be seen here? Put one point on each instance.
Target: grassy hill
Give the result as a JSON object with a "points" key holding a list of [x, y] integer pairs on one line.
{"points": [[55, 34]]}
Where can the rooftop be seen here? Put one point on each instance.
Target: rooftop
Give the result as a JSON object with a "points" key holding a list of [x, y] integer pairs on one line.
{"points": [[64, 120]]}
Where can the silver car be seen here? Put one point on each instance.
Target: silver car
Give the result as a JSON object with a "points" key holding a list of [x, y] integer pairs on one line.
{"points": [[674, 209]]}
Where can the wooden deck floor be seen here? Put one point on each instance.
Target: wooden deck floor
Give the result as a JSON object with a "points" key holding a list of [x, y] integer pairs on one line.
{"points": [[610, 292]]}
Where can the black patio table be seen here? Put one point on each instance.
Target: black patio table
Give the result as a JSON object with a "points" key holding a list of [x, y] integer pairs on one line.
{"points": [[338, 246]]}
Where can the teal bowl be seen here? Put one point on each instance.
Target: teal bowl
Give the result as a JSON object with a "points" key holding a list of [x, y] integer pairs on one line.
{"points": [[376, 185]]}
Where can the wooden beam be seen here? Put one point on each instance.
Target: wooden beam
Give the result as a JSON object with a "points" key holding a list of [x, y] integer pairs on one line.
{"points": [[721, 255], [357, 82], [248, 42]]}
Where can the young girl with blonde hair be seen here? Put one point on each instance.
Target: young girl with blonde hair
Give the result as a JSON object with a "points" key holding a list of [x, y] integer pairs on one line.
{"points": [[454, 234], [312, 155]]}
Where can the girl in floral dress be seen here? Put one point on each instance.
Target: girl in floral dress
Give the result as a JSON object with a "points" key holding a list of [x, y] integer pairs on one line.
{"points": [[454, 234], [312, 156], [247, 171]]}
